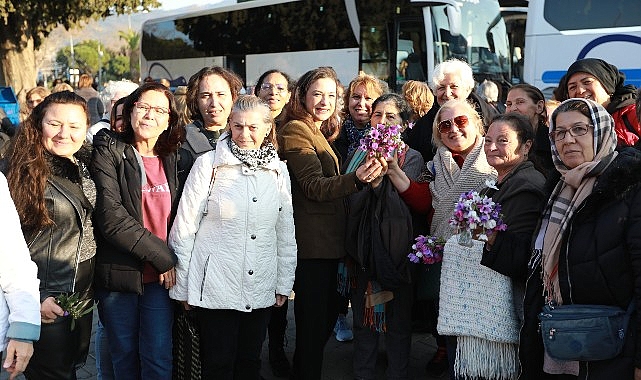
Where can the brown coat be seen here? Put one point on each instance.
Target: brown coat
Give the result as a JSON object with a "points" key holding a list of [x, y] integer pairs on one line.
{"points": [[318, 191]]}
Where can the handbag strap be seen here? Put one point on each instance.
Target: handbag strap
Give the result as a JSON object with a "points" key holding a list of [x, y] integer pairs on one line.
{"points": [[211, 185]]}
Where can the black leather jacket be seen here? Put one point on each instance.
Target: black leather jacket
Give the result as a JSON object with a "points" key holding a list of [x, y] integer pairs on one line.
{"points": [[56, 249], [123, 243]]}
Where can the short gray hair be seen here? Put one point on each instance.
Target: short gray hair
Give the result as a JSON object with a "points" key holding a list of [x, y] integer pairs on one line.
{"points": [[455, 67]]}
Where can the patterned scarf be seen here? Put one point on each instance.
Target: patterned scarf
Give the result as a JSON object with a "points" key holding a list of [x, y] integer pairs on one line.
{"points": [[253, 158], [450, 182], [354, 134], [575, 185]]}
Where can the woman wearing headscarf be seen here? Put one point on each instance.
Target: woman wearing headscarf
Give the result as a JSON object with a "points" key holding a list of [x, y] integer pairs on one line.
{"points": [[599, 81], [587, 248]]}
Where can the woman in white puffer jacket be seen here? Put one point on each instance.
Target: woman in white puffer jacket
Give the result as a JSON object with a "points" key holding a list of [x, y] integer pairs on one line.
{"points": [[19, 294], [234, 238]]}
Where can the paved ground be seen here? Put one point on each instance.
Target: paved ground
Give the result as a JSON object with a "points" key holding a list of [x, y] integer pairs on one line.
{"points": [[337, 363]]}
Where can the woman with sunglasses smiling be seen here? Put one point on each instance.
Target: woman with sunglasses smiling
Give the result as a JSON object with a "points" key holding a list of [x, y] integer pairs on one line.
{"points": [[139, 176], [587, 248], [459, 165]]}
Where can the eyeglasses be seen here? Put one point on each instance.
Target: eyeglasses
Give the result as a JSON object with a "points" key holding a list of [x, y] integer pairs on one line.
{"points": [[143, 108], [446, 126], [575, 131], [279, 88]]}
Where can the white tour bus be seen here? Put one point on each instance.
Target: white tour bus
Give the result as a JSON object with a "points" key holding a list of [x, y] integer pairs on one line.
{"points": [[557, 33], [394, 40]]}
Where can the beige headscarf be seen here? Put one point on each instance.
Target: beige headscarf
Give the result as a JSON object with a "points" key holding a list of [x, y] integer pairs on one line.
{"points": [[575, 185]]}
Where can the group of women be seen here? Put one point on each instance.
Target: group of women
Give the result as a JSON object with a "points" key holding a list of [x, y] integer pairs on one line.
{"points": [[255, 199]]}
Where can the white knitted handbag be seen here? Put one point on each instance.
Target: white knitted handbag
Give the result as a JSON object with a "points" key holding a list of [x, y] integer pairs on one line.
{"points": [[475, 305]]}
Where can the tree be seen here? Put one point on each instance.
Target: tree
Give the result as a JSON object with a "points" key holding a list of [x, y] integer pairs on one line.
{"points": [[132, 41], [27, 22]]}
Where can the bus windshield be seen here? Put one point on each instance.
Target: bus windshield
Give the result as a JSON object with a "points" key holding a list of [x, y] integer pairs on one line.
{"points": [[482, 41]]}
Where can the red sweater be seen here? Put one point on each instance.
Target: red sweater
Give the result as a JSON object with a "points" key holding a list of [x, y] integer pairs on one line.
{"points": [[419, 197]]}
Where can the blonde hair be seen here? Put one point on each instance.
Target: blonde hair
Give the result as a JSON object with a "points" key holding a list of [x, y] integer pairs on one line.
{"points": [[468, 110], [60, 87], [419, 97]]}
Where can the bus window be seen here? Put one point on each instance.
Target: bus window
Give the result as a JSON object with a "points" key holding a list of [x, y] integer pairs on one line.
{"points": [[411, 59], [374, 58], [581, 14]]}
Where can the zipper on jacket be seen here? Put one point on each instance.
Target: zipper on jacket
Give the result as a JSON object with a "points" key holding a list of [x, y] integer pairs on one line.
{"points": [[202, 283], [567, 248]]}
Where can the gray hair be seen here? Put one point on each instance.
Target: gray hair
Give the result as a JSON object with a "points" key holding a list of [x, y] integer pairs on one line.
{"points": [[454, 67], [252, 103]]}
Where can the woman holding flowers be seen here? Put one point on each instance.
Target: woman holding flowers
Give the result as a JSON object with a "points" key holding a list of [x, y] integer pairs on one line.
{"points": [[234, 238], [139, 176], [49, 181], [587, 247], [459, 165], [378, 306], [318, 195]]}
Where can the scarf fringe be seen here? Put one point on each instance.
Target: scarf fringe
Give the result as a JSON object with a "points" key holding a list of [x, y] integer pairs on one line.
{"points": [[345, 281], [374, 316], [481, 358]]}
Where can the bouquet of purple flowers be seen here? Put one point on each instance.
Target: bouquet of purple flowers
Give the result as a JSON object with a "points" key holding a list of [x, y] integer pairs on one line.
{"points": [[478, 214], [382, 140], [427, 250]]}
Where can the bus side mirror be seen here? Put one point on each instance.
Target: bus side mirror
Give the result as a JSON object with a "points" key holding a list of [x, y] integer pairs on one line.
{"points": [[454, 18]]}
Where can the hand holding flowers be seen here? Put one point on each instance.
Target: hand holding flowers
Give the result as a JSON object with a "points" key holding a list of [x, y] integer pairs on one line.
{"points": [[477, 214], [74, 306]]}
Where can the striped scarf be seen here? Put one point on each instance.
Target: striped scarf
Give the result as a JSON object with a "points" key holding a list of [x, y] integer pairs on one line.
{"points": [[573, 188], [450, 182]]}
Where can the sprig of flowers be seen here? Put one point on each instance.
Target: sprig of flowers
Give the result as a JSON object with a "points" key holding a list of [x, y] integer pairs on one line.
{"points": [[74, 306], [427, 250], [382, 140], [474, 213]]}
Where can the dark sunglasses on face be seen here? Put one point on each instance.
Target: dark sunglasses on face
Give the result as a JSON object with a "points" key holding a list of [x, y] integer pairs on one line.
{"points": [[446, 126]]}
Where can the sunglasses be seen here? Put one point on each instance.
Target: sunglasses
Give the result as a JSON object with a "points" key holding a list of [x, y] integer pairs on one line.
{"points": [[446, 126]]}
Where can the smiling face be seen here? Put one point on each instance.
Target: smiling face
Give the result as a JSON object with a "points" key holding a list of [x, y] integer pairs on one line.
{"points": [[519, 102], [274, 92], [458, 140], [584, 85], [320, 100], [149, 124], [64, 129], [248, 129], [360, 105], [386, 113], [503, 149], [574, 150], [214, 101], [450, 88]]}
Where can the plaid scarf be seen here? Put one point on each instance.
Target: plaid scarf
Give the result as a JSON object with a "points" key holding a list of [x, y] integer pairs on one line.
{"points": [[573, 188]]}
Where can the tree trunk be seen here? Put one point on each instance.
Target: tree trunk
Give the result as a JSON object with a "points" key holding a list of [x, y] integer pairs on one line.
{"points": [[18, 62]]}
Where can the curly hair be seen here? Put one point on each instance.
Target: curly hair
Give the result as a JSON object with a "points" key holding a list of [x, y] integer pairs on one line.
{"points": [[373, 86], [28, 169], [170, 139], [419, 97], [298, 111], [233, 80]]}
